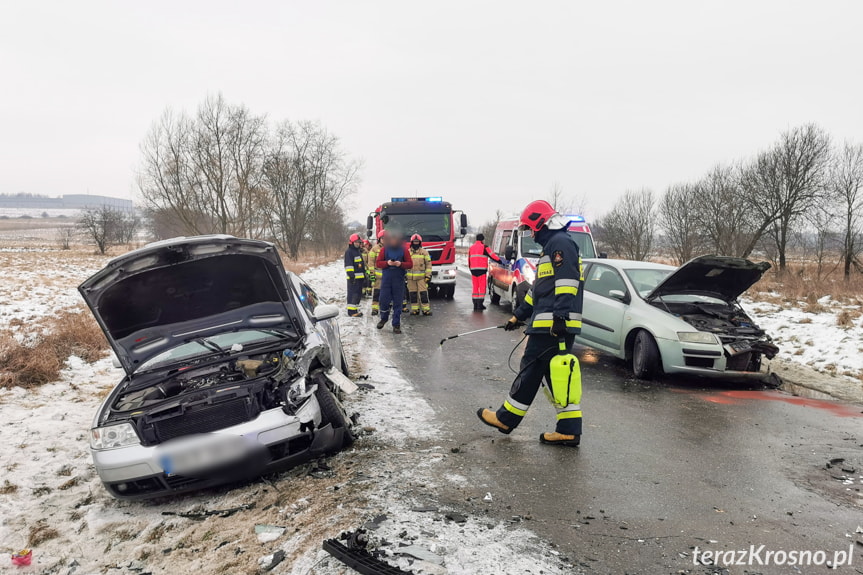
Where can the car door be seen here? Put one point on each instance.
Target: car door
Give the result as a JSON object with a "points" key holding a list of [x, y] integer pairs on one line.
{"points": [[327, 329], [606, 299]]}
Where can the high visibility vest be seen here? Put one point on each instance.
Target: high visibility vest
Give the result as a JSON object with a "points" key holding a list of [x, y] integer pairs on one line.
{"points": [[422, 264], [477, 257], [373, 257]]}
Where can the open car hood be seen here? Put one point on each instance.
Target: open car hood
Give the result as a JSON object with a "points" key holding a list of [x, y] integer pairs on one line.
{"points": [[157, 297], [716, 276]]}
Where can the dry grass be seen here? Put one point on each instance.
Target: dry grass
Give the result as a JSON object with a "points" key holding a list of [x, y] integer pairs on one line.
{"points": [[307, 261], [800, 283], [40, 533], [8, 488], [40, 360]]}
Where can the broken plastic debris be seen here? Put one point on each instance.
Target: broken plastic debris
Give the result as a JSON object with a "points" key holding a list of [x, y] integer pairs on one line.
{"points": [[456, 517], [270, 562], [267, 533], [487, 497], [22, 558], [420, 553]]}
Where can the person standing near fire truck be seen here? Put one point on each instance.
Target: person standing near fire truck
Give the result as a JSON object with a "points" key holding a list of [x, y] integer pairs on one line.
{"points": [[419, 277], [394, 260], [355, 273], [477, 260], [375, 273]]}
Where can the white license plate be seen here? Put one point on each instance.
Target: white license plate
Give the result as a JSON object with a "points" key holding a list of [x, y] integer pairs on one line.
{"points": [[189, 455]]}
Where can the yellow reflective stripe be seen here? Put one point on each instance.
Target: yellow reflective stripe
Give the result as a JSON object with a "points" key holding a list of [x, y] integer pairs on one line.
{"points": [[543, 323], [349, 268], [513, 409], [569, 414], [544, 270], [358, 258], [528, 299], [566, 290], [573, 323]]}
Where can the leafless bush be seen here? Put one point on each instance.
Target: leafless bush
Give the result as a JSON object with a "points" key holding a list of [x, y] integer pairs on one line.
{"points": [[629, 229], [106, 226]]}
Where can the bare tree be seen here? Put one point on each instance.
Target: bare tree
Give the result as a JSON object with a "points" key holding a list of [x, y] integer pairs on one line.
{"points": [[566, 204], [678, 217], [629, 228], [489, 228], [127, 228], [846, 189], [784, 182], [724, 219], [101, 226], [64, 237]]}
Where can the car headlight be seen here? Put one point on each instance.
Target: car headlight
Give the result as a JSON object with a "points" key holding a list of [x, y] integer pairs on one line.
{"points": [[449, 273], [697, 337], [113, 436]]}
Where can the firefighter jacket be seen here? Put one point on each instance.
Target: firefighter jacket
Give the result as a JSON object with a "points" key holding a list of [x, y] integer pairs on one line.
{"points": [[477, 258], [422, 266], [557, 290], [373, 270], [355, 267]]}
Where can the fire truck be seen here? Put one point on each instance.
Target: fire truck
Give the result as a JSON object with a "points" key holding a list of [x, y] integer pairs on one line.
{"points": [[433, 219]]}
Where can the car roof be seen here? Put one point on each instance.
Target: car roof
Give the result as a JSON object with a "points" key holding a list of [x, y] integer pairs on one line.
{"points": [[630, 264]]}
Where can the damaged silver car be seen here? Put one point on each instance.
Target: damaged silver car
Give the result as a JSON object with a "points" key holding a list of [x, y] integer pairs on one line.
{"points": [[233, 367], [663, 319]]}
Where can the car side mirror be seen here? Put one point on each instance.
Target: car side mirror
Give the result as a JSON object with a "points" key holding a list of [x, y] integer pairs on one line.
{"points": [[618, 295], [463, 224], [325, 311], [370, 225], [603, 255], [509, 253]]}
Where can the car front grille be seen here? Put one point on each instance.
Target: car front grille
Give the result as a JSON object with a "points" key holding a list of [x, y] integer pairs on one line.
{"points": [[203, 419], [435, 254]]}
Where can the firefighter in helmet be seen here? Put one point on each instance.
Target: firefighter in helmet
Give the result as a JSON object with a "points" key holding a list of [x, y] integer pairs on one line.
{"points": [[419, 277], [367, 283], [552, 310], [477, 260], [375, 274], [355, 272]]}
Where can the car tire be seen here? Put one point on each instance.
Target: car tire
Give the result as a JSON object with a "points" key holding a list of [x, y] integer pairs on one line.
{"points": [[493, 295], [332, 413], [646, 362], [448, 291]]}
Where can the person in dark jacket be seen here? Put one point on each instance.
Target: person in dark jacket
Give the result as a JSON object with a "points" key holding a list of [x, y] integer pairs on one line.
{"points": [[394, 260], [552, 309], [355, 272]]}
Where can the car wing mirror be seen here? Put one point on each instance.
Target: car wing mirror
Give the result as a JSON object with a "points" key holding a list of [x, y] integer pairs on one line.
{"points": [[509, 253], [325, 311], [603, 255], [619, 295]]}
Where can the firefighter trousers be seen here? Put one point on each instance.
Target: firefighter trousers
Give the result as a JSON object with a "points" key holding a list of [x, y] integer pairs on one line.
{"points": [[418, 293], [355, 294], [534, 368], [376, 293]]}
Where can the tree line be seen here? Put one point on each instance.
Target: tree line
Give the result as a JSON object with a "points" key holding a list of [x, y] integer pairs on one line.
{"points": [[226, 170], [802, 191]]}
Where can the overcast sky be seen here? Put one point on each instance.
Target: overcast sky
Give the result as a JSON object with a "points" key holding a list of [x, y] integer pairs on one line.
{"points": [[485, 103]]}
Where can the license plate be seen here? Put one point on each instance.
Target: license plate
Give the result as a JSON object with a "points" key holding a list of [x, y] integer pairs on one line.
{"points": [[197, 453]]}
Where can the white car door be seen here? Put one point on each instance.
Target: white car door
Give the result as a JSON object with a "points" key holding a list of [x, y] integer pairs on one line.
{"points": [[606, 299]]}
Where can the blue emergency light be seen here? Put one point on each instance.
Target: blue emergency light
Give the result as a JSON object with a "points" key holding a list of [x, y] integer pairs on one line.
{"points": [[574, 219], [429, 199]]}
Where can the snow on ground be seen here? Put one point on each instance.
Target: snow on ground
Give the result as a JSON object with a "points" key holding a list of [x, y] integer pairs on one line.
{"points": [[51, 498], [814, 338]]}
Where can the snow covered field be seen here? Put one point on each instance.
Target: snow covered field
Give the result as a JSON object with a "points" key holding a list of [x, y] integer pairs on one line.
{"points": [[51, 498]]}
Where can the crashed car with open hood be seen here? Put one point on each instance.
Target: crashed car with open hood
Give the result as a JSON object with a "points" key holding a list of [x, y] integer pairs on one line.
{"points": [[675, 320], [232, 367]]}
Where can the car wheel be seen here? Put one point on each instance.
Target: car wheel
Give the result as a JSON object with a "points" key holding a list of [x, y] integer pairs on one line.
{"points": [[645, 356], [333, 413], [449, 291], [493, 295], [515, 297], [345, 369]]}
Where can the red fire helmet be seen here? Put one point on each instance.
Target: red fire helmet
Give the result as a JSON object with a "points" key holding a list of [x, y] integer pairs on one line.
{"points": [[536, 214], [416, 238], [354, 238]]}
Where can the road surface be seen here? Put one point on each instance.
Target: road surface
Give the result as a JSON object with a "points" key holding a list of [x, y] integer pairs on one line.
{"points": [[663, 468]]}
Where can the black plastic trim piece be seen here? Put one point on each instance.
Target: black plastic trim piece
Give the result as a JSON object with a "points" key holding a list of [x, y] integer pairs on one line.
{"points": [[360, 560]]}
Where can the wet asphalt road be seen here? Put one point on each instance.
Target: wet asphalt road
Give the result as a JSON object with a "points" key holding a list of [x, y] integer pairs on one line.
{"points": [[663, 466]]}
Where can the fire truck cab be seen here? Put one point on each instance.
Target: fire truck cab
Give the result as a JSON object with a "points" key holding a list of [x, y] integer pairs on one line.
{"points": [[434, 220], [511, 281]]}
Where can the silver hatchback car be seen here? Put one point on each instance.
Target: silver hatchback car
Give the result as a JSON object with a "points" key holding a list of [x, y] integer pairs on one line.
{"points": [[233, 368]]}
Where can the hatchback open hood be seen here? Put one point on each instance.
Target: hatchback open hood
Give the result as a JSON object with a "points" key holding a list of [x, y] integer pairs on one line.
{"points": [[157, 297], [716, 276]]}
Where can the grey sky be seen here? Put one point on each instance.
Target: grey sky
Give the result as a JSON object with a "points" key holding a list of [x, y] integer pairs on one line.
{"points": [[484, 103]]}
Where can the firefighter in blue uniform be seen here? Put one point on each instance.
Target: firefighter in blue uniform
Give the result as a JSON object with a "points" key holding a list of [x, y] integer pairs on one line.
{"points": [[552, 310], [355, 272]]}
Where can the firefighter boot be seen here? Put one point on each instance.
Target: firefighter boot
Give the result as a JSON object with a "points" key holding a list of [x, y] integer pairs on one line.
{"points": [[555, 438], [489, 417]]}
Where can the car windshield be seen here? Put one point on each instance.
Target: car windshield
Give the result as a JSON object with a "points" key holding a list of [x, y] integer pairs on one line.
{"points": [[432, 227], [531, 249], [205, 346], [645, 280]]}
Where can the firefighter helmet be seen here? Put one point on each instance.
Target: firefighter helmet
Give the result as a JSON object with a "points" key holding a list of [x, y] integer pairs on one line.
{"points": [[381, 234], [416, 238], [536, 214], [354, 238]]}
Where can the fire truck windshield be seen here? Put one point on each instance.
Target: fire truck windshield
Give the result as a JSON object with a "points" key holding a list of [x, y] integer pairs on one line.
{"points": [[531, 249], [432, 227]]}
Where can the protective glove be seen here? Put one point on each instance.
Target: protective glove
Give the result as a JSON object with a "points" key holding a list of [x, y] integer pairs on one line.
{"points": [[558, 327], [428, 278], [512, 324]]}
